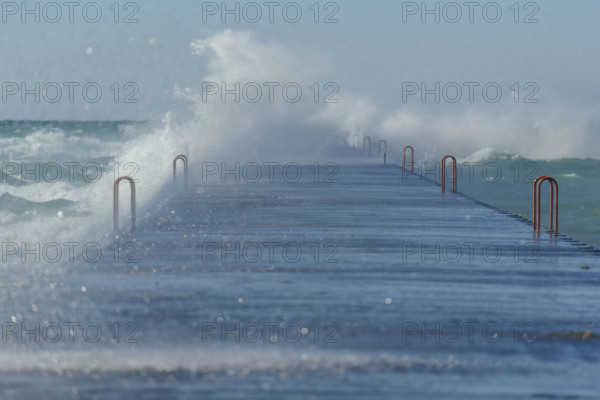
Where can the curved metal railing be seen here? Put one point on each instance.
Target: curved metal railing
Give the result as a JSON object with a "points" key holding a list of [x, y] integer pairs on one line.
{"points": [[116, 202], [412, 159], [365, 139], [454, 173], [553, 203], [384, 146], [185, 170]]}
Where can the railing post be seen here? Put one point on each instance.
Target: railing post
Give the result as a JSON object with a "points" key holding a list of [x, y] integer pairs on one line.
{"points": [[116, 202], [365, 139], [384, 150], [454, 173], [412, 159], [537, 184], [185, 170]]}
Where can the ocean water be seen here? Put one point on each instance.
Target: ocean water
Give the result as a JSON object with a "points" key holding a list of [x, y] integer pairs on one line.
{"points": [[90, 155], [296, 284], [506, 181]]}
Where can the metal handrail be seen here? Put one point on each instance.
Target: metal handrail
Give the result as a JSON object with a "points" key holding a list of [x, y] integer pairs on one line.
{"points": [[553, 203], [384, 150], [116, 202], [185, 170], [365, 145], [454, 173], [412, 159]]}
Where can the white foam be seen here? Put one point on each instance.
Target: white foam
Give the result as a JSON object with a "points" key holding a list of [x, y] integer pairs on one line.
{"points": [[240, 362], [479, 156], [571, 175]]}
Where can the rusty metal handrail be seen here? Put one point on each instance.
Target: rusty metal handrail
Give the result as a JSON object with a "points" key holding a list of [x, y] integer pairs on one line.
{"points": [[116, 202], [412, 159], [365, 138], [384, 150], [356, 141], [537, 184], [454, 173], [185, 170]]}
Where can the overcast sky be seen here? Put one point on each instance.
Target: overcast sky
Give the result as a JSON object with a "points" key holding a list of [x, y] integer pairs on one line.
{"points": [[373, 57]]}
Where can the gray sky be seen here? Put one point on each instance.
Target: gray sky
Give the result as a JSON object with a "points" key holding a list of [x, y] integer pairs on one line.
{"points": [[375, 56]]}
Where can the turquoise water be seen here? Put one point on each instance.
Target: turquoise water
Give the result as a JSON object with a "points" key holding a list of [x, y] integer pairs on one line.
{"points": [[506, 181]]}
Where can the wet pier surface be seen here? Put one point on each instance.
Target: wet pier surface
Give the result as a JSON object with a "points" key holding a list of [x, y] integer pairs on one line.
{"points": [[360, 282]]}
